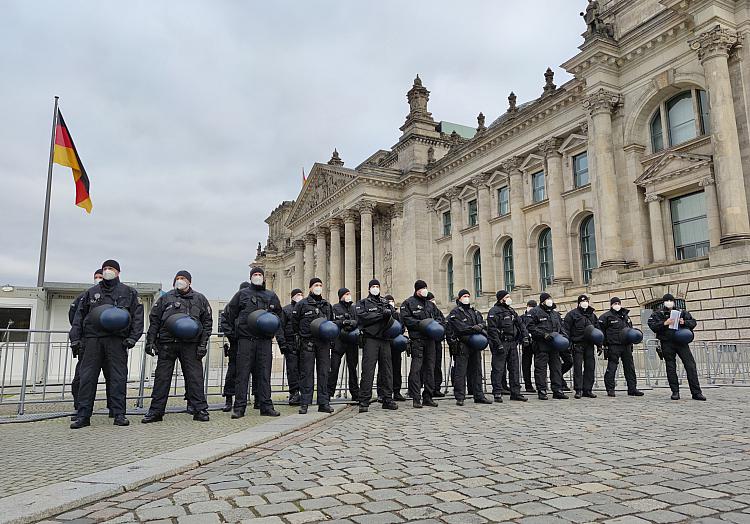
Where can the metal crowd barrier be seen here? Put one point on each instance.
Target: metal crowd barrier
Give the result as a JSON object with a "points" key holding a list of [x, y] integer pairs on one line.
{"points": [[40, 369]]}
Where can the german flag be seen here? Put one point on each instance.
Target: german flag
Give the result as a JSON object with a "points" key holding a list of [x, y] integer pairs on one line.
{"points": [[67, 155]]}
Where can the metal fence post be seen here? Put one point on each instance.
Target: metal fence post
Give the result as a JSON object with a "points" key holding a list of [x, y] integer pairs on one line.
{"points": [[141, 385], [22, 398]]}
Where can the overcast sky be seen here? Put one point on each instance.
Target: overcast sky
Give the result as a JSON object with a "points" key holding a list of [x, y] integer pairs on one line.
{"points": [[194, 119]]}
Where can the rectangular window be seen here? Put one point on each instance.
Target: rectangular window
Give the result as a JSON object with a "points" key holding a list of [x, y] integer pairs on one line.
{"points": [[705, 115], [581, 169], [690, 226], [473, 216], [447, 224], [14, 318], [503, 201], [537, 184]]}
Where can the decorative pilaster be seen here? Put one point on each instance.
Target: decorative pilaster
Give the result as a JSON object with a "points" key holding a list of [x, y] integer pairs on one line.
{"points": [[397, 251], [658, 243], [321, 255], [713, 48], [549, 149], [457, 243], [489, 286], [299, 264], [367, 264], [309, 259], [518, 223], [350, 250], [712, 210], [334, 226], [600, 105]]}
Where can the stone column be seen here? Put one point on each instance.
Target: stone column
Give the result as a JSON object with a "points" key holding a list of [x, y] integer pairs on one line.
{"points": [[658, 243], [561, 259], [366, 208], [600, 105], [398, 253], [309, 261], [321, 255], [335, 276], [350, 251], [712, 210], [518, 224], [489, 284], [299, 264], [457, 242], [713, 49]]}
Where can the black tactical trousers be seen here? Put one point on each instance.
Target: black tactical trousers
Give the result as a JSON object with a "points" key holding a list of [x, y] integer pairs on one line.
{"points": [[566, 359], [547, 357], [376, 352], [468, 368], [670, 353], [314, 358], [527, 359], [422, 359], [505, 358], [254, 356], [396, 377], [614, 355], [291, 360], [350, 353], [438, 369], [192, 371], [99, 354], [231, 373], [76, 383], [584, 364]]}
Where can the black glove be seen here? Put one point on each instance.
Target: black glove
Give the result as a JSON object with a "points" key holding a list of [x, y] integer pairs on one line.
{"points": [[201, 352], [599, 351], [526, 343], [477, 328], [151, 349], [128, 343], [387, 313], [350, 325], [548, 336], [75, 348], [226, 349]]}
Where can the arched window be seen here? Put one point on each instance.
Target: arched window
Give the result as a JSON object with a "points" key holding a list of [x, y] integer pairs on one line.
{"points": [[510, 280], [477, 263], [451, 293], [588, 248], [683, 117], [545, 259]]}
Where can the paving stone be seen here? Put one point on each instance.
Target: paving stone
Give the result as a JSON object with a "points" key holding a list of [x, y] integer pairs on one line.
{"points": [[662, 516], [305, 516], [266, 510], [201, 518], [499, 514]]}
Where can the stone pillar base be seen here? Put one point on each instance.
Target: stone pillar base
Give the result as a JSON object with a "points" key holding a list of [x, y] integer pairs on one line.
{"points": [[604, 275], [613, 263], [729, 254], [733, 239]]}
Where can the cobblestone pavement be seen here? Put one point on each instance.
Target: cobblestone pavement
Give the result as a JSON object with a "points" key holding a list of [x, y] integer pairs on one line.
{"points": [[619, 460], [36, 454]]}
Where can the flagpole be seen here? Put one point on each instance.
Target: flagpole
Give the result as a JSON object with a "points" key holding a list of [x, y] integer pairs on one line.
{"points": [[45, 224]]}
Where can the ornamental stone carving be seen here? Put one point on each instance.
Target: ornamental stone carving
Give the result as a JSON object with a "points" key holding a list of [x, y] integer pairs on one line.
{"points": [[319, 188], [602, 101], [550, 147], [350, 216], [718, 41], [366, 207], [706, 181], [512, 165], [452, 193], [396, 211], [652, 197]]}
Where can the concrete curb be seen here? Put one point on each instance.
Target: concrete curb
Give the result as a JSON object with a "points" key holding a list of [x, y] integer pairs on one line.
{"points": [[50, 500]]}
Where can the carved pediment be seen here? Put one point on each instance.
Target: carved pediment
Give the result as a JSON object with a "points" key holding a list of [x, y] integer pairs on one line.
{"points": [[498, 179], [574, 141], [443, 204], [468, 192], [323, 184], [673, 165], [531, 162]]}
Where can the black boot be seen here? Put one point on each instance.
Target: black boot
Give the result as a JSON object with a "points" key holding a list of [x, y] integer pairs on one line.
{"points": [[189, 409], [398, 397], [228, 404], [699, 396], [364, 408], [80, 422], [675, 395], [542, 395], [438, 394], [560, 396], [416, 403], [302, 409], [389, 404], [427, 401], [201, 416], [120, 420], [238, 413], [269, 412], [611, 393], [589, 394], [518, 397], [499, 399], [482, 400], [152, 417], [325, 408], [459, 402], [530, 389], [635, 393], [578, 394], [294, 399]]}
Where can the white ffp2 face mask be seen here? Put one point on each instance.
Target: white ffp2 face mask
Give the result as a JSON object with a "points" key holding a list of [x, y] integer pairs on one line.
{"points": [[584, 305], [256, 280], [508, 301], [317, 290], [465, 301], [548, 302], [423, 293], [109, 274], [374, 291], [669, 304], [181, 285], [348, 298], [617, 307], [296, 298], [97, 280]]}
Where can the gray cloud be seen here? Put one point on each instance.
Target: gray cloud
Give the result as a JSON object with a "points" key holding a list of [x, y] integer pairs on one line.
{"points": [[194, 119]]}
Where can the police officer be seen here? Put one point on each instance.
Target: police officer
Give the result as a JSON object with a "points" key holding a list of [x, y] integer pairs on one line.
{"points": [[505, 330], [544, 322], [660, 324], [576, 321], [466, 321], [78, 354], [614, 324], [230, 352], [345, 317], [103, 344], [315, 354], [438, 370], [528, 349], [165, 341], [374, 316], [396, 360], [254, 351], [414, 310], [291, 349]]}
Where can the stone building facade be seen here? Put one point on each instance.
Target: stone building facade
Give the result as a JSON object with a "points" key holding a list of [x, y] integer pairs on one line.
{"points": [[631, 179]]}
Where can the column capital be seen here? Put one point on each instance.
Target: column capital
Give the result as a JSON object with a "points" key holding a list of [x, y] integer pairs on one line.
{"points": [[321, 231], [350, 216], [512, 165], [396, 211], [549, 147], [299, 244], [706, 181], [480, 181], [334, 223], [310, 239], [366, 207], [602, 101], [584, 128], [716, 42], [652, 197], [452, 193]]}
